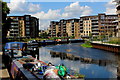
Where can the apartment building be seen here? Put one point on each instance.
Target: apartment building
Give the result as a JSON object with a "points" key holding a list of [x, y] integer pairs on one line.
{"points": [[98, 25], [23, 26], [73, 28], [64, 28], [85, 27], [106, 25], [53, 30], [118, 12]]}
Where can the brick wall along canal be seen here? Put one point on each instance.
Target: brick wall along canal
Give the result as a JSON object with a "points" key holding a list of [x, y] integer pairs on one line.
{"points": [[93, 63]]}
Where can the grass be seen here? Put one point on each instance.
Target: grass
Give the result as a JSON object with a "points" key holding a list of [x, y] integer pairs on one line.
{"points": [[86, 44]]}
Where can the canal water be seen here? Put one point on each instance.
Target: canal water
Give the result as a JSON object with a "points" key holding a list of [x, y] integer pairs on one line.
{"points": [[93, 63]]}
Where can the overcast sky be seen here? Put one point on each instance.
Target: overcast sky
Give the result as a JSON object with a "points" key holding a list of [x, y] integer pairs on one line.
{"points": [[47, 11]]}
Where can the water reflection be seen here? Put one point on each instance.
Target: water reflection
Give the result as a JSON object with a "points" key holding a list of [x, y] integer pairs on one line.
{"points": [[76, 49], [92, 63], [68, 56]]}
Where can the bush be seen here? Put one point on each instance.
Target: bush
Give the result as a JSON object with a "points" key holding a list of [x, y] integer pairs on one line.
{"points": [[114, 40], [87, 44]]}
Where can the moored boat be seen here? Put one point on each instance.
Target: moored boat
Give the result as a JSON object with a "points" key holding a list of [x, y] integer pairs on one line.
{"points": [[14, 49], [41, 70], [33, 43]]}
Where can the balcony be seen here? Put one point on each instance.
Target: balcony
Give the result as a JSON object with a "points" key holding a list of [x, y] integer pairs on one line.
{"points": [[14, 33], [94, 19], [94, 22], [64, 22], [95, 28], [81, 30], [14, 22], [14, 26], [15, 19], [95, 35], [95, 32]]}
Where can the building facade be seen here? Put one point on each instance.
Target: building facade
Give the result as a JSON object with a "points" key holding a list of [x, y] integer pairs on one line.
{"points": [[53, 29], [118, 12], [98, 25], [64, 28], [23, 26]]}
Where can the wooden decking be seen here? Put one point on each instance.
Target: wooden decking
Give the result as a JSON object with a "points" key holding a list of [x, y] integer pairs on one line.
{"points": [[3, 71]]}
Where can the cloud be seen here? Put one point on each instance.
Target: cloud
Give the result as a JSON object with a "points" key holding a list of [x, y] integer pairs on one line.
{"points": [[44, 24], [50, 15], [70, 11], [21, 6], [45, 18], [111, 7], [75, 10], [33, 7]]}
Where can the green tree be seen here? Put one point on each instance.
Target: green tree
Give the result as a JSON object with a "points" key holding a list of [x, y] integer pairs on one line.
{"points": [[58, 34], [90, 37], [65, 34], [44, 35], [5, 22]]}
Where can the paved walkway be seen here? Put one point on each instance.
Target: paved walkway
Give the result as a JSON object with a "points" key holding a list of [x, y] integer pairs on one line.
{"points": [[3, 71], [105, 43]]}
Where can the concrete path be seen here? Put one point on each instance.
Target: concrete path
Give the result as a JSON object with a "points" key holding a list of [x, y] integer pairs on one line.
{"points": [[4, 75]]}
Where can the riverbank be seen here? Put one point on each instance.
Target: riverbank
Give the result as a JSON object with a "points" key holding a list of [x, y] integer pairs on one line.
{"points": [[106, 46], [86, 45]]}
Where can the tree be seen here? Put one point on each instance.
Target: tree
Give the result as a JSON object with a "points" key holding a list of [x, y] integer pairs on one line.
{"points": [[5, 22], [90, 36], [65, 34], [58, 34], [44, 35]]}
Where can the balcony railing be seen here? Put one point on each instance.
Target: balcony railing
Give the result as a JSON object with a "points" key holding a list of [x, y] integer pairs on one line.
{"points": [[94, 19], [94, 32], [95, 28], [14, 22]]}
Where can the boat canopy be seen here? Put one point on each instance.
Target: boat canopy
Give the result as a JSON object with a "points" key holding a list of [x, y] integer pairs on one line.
{"points": [[15, 45]]}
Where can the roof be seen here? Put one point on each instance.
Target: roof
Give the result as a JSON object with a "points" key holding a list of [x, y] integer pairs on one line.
{"points": [[14, 45]]}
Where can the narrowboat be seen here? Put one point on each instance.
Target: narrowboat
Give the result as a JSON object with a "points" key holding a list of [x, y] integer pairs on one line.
{"points": [[30, 68], [33, 43], [47, 42]]}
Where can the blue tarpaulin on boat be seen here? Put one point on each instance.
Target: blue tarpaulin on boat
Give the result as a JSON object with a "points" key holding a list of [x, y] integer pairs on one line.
{"points": [[14, 45]]}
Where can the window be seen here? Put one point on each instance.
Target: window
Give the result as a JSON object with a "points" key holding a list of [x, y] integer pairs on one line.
{"points": [[27, 22], [102, 16], [27, 26], [27, 32], [27, 29], [27, 18]]}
